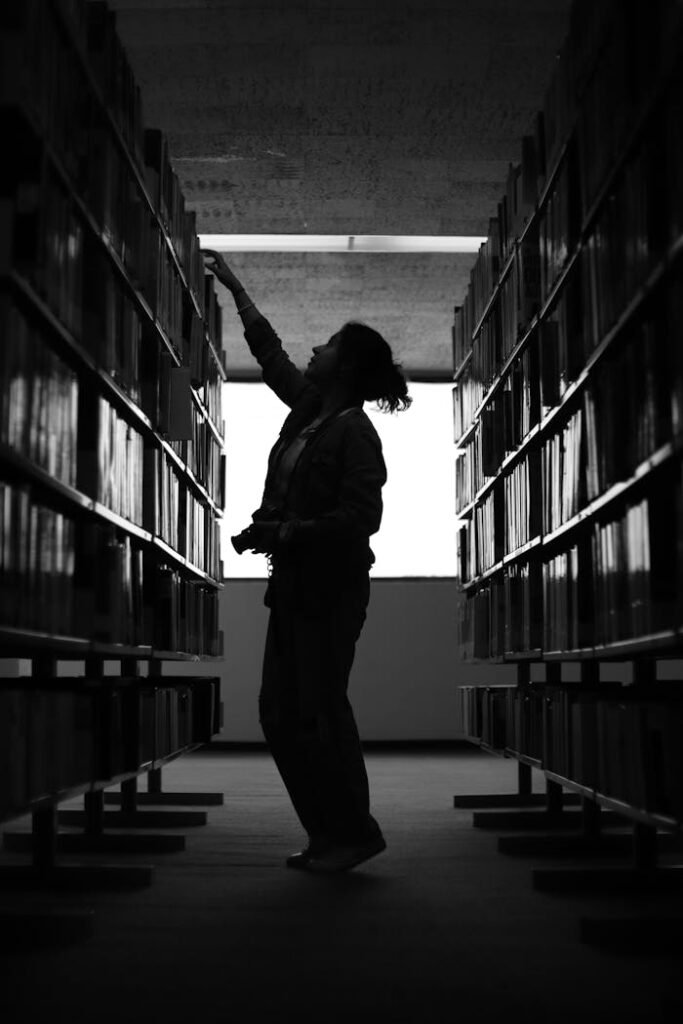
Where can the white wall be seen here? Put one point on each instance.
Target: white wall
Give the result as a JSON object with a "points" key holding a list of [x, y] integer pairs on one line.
{"points": [[406, 669]]}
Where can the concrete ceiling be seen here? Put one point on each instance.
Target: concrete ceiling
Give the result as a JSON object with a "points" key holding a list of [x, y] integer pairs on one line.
{"points": [[343, 117]]}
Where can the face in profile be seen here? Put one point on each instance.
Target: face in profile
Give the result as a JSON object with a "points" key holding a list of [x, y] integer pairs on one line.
{"points": [[324, 363]]}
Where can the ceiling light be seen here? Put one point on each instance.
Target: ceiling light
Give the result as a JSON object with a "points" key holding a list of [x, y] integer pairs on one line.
{"points": [[342, 243]]}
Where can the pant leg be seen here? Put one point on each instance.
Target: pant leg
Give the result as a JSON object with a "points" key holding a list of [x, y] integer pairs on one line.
{"points": [[324, 653], [280, 720], [307, 718]]}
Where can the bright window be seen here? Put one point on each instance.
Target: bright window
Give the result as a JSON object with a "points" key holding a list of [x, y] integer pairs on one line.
{"points": [[417, 535]]}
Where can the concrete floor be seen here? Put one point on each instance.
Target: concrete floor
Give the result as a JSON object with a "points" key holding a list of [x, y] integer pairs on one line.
{"points": [[441, 927]]}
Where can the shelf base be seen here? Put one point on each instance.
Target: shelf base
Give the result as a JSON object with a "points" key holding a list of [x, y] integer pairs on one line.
{"points": [[111, 842], [538, 819], [618, 881], [171, 799], [634, 935], [137, 819], [511, 800], [23, 932], [613, 844], [75, 877]]}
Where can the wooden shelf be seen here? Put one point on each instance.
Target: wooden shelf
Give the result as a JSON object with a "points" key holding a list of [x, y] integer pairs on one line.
{"points": [[112, 391]]}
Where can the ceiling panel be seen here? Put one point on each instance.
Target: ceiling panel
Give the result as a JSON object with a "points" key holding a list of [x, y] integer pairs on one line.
{"points": [[341, 117]]}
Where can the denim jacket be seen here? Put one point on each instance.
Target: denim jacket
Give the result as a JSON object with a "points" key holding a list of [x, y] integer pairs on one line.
{"points": [[334, 498]]}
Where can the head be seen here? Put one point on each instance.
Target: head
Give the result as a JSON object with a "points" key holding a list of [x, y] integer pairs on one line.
{"points": [[358, 360]]}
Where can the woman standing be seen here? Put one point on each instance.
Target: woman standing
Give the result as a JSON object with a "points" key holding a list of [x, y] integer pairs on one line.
{"points": [[321, 503]]}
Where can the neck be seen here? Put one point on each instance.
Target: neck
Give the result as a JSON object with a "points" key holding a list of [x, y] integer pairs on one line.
{"points": [[335, 399]]}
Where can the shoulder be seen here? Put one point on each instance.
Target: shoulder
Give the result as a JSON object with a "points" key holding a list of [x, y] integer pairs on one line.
{"points": [[358, 426]]}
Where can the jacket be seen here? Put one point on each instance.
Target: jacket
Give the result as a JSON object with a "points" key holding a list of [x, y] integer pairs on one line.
{"points": [[333, 503]]}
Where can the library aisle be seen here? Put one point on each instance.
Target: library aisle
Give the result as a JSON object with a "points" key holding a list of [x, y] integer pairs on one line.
{"points": [[441, 927]]}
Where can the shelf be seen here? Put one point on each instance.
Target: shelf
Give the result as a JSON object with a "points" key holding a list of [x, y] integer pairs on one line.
{"points": [[191, 479], [19, 640], [499, 379], [576, 386], [212, 426], [503, 273], [612, 804], [535, 654], [114, 392], [181, 562], [141, 301], [118, 397], [121, 522], [79, 502], [135, 169], [463, 366], [533, 762], [22, 643], [64, 493], [616, 491]]}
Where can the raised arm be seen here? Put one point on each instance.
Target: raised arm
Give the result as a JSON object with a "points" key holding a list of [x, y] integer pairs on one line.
{"points": [[279, 372], [245, 306]]}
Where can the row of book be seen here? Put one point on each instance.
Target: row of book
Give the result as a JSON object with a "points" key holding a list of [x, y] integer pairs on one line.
{"points": [[69, 732], [167, 198], [185, 615], [41, 75], [111, 573], [39, 397], [503, 522], [84, 579], [516, 303], [628, 240], [173, 513], [39, 419], [563, 479], [609, 435], [522, 183], [558, 227], [48, 242], [37, 562], [110, 459], [620, 741], [632, 232], [638, 577], [619, 580], [503, 617], [511, 412], [636, 48]]}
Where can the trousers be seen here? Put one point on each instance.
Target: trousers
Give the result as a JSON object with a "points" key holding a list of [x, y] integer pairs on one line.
{"points": [[306, 716]]}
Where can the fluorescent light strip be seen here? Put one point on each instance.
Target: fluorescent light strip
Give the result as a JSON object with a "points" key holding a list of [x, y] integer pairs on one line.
{"points": [[342, 243]]}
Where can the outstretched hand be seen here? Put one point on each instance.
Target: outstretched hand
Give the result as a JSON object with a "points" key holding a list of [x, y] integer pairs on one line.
{"points": [[217, 265]]}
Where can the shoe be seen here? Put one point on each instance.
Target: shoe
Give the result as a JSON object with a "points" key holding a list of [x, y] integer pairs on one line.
{"points": [[316, 847], [342, 858]]}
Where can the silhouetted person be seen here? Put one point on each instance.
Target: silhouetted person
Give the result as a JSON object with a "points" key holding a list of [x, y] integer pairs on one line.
{"points": [[322, 501]]}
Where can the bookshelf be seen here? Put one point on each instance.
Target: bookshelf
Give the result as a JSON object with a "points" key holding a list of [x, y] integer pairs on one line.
{"points": [[112, 468], [568, 420]]}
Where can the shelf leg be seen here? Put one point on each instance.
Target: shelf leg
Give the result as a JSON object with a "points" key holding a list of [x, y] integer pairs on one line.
{"points": [[591, 818], [44, 838], [554, 797], [523, 779], [644, 846], [129, 796], [154, 780], [94, 813]]}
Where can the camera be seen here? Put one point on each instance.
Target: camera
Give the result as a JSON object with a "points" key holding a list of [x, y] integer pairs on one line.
{"points": [[247, 539]]}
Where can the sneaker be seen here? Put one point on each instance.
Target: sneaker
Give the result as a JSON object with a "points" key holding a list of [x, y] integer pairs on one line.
{"points": [[342, 858], [316, 847]]}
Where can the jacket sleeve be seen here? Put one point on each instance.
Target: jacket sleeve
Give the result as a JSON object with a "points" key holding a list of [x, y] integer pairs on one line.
{"points": [[358, 512], [279, 372]]}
